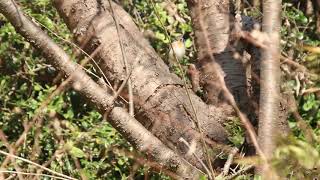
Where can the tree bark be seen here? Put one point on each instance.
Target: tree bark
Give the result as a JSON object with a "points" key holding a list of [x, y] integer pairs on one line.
{"points": [[131, 129], [256, 4], [316, 10], [214, 17], [270, 80], [161, 101], [213, 22]]}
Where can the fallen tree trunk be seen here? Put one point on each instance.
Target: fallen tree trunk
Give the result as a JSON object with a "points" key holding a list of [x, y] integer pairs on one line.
{"points": [[161, 102], [142, 139]]}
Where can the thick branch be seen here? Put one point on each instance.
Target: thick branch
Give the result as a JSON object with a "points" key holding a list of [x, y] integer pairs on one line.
{"points": [[213, 16], [270, 78], [137, 135], [161, 101], [218, 47]]}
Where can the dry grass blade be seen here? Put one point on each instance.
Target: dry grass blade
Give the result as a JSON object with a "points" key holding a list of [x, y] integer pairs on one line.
{"points": [[33, 174], [35, 164]]}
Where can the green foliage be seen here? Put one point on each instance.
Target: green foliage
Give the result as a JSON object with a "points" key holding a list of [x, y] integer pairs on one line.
{"points": [[71, 130], [157, 20], [298, 31], [297, 28], [236, 131], [298, 158]]}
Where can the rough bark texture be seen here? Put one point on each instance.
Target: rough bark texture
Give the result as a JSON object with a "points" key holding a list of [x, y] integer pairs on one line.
{"points": [[316, 9], [283, 109], [256, 3], [213, 16], [161, 102], [242, 75], [131, 129], [270, 79]]}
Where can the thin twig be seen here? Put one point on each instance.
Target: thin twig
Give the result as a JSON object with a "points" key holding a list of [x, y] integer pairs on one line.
{"points": [[247, 168], [229, 161], [78, 167], [310, 91], [35, 164], [10, 177], [60, 149], [145, 162], [36, 150], [38, 112], [254, 7], [194, 154], [79, 48], [33, 174], [124, 58], [248, 37], [47, 163], [4, 140], [196, 119], [229, 97], [307, 130], [293, 63]]}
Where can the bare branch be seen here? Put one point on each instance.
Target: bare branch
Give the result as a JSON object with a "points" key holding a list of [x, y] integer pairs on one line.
{"points": [[155, 88], [270, 81], [229, 161], [124, 58], [129, 127], [37, 165], [216, 73]]}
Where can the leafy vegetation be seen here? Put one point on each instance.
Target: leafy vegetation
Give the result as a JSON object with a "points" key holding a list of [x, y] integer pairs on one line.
{"points": [[82, 143]]}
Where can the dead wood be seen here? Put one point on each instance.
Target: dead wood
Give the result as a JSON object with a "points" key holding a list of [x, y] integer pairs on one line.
{"points": [[161, 102], [142, 139]]}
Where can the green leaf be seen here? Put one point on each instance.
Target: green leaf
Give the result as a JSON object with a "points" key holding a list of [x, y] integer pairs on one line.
{"points": [[37, 87], [160, 36], [188, 43], [203, 177], [76, 152]]}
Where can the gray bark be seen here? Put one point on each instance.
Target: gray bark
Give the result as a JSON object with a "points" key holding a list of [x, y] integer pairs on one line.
{"points": [[215, 18], [270, 80], [161, 101], [132, 130]]}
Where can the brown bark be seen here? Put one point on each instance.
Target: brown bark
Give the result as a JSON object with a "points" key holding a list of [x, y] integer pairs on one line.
{"points": [[220, 29], [214, 17], [256, 3], [212, 22], [131, 129], [162, 104], [316, 10], [270, 80], [282, 125]]}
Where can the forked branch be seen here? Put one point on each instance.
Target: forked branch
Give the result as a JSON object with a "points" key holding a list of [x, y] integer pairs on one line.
{"points": [[129, 127]]}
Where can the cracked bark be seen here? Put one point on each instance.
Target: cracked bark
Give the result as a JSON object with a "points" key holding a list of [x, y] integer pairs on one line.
{"points": [[220, 26], [142, 139], [162, 104], [214, 17]]}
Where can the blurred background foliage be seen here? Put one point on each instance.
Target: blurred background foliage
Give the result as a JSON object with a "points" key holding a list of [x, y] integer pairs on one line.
{"points": [[75, 140]]}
